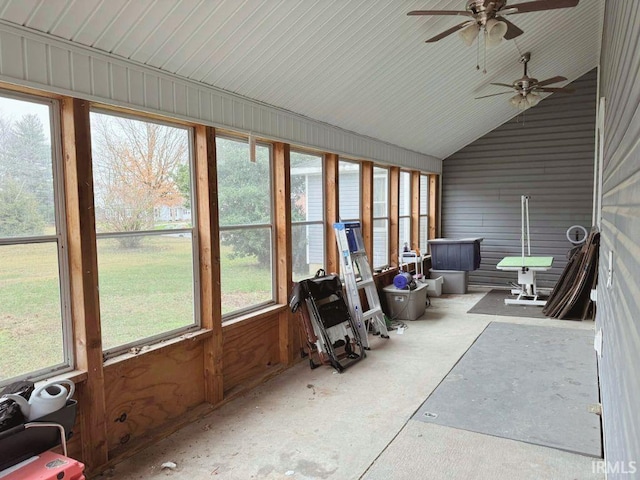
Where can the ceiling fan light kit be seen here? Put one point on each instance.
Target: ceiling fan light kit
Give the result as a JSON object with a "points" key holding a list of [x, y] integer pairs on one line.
{"points": [[495, 31], [523, 102]]}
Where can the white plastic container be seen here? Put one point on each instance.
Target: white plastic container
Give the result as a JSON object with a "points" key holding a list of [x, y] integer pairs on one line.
{"points": [[454, 281], [434, 286]]}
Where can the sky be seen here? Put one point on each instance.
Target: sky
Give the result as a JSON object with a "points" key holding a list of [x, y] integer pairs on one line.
{"points": [[15, 109]]}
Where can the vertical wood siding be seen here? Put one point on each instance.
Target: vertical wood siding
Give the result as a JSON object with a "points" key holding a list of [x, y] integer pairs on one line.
{"points": [[618, 312], [547, 152]]}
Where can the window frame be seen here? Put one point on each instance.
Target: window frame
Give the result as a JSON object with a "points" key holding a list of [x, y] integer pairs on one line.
{"points": [[359, 182], [60, 238], [407, 216], [193, 231], [425, 215], [231, 316], [386, 218], [320, 222]]}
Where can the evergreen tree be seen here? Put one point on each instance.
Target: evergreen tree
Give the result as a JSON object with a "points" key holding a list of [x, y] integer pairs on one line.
{"points": [[19, 212], [26, 159]]}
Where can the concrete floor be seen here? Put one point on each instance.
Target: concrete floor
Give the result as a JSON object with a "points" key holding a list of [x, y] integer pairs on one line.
{"points": [[316, 424]]}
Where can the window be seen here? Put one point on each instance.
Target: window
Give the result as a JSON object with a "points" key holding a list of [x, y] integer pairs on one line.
{"points": [[307, 214], [404, 213], [380, 217], [424, 213], [35, 333], [246, 226], [348, 191], [146, 240]]}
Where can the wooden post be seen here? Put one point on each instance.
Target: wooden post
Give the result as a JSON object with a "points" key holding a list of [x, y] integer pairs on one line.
{"points": [[433, 206], [209, 252], [366, 207], [415, 210], [331, 212], [394, 203], [83, 272], [284, 266]]}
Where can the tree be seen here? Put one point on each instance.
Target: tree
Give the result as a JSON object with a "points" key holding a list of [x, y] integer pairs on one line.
{"points": [[31, 155], [244, 198], [25, 157], [19, 210], [135, 169]]}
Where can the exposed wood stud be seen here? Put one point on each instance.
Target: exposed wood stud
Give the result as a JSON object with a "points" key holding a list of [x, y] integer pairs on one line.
{"points": [[83, 271], [415, 210], [331, 211], [282, 187], [366, 202], [209, 251], [394, 196]]}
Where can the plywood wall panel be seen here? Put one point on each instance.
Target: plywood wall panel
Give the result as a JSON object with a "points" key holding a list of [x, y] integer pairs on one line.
{"points": [[149, 390], [250, 349]]}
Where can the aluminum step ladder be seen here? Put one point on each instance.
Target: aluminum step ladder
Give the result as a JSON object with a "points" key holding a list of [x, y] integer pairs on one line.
{"points": [[357, 276]]}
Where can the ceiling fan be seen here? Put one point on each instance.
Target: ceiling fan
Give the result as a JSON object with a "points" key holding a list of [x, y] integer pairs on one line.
{"points": [[527, 88], [488, 15]]}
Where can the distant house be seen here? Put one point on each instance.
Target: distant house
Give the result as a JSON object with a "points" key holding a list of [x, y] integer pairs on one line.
{"points": [[349, 210]]}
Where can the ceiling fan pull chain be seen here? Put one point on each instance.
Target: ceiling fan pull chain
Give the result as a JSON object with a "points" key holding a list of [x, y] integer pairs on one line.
{"points": [[484, 60], [478, 55]]}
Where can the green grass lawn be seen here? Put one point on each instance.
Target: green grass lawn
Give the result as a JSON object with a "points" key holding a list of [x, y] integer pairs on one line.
{"points": [[143, 292]]}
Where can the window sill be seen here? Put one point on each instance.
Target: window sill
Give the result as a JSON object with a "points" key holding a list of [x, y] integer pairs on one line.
{"points": [[76, 376], [253, 316], [195, 335]]}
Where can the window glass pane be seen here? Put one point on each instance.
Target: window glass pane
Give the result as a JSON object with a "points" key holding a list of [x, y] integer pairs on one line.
{"points": [[380, 192], [244, 187], [306, 188], [146, 286], [424, 234], [404, 227], [31, 335], [405, 194], [349, 190], [308, 250], [380, 243], [246, 268], [142, 177], [424, 195], [141, 173], [32, 320], [26, 173]]}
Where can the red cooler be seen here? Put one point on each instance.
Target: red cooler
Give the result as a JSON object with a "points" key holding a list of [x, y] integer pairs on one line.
{"points": [[46, 466]]}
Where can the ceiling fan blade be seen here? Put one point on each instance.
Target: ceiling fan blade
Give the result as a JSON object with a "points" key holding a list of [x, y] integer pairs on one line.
{"points": [[502, 85], [440, 12], [512, 30], [543, 5], [549, 81], [493, 95], [555, 90], [448, 32]]}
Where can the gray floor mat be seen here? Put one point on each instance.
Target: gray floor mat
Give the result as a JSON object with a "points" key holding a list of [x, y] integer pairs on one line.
{"points": [[529, 383], [493, 304]]}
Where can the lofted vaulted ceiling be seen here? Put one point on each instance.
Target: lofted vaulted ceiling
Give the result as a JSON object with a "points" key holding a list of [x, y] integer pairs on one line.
{"points": [[362, 65]]}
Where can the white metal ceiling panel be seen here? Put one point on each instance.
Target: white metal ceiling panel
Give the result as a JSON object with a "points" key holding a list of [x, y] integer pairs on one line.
{"points": [[361, 65]]}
